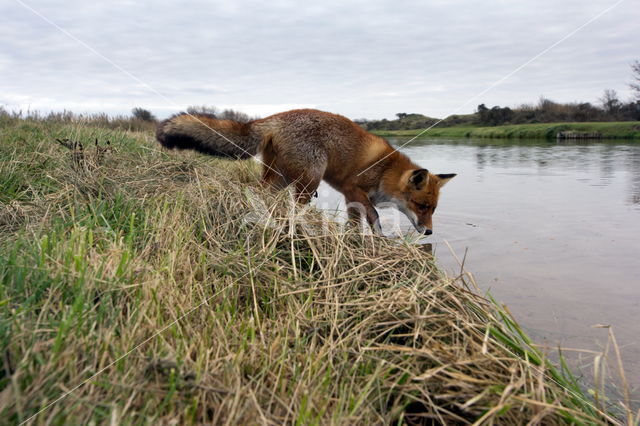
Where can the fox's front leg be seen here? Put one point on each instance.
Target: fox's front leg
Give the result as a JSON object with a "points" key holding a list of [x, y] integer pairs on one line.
{"points": [[358, 204]]}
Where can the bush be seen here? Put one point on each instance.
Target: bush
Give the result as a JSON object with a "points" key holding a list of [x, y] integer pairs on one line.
{"points": [[227, 114], [143, 114]]}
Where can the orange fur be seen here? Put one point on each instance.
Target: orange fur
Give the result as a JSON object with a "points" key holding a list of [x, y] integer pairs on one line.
{"points": [[302, 147]]}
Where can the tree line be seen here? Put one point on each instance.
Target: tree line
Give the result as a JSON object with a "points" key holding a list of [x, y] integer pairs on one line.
{"points": [[222, 114], [609, 108], [545, 111]]}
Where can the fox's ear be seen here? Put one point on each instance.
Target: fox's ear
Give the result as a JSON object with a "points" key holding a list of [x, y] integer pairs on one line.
{"points": [[444, 178], [419, 178]]}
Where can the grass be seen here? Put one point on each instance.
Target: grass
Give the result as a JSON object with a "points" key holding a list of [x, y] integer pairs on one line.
{"points": [[608, 130], [133, 277]]}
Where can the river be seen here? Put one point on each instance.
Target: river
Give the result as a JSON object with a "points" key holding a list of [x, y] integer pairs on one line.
{"points": [[551, 229]]}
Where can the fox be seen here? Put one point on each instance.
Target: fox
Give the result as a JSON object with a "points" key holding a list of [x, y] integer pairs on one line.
{"points": [[302, 147]]}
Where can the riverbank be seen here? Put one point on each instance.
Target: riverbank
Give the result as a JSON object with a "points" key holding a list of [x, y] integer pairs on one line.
{"points": [[170, 287], [604, 130]]}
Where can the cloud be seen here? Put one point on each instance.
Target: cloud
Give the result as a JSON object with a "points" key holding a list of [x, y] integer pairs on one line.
{"points": [[361, 59]]}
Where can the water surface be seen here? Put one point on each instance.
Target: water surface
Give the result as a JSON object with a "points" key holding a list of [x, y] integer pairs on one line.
{"points": [[551, 229]]}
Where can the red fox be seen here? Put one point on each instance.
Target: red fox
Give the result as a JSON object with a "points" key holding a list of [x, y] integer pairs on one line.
{"points": [[304, 146]]}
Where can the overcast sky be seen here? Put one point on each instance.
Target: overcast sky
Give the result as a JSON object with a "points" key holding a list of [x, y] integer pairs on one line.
{"points": [[358, 58]]}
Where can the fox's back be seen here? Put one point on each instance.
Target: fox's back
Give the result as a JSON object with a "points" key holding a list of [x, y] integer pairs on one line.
{"points": [[298, 133]]}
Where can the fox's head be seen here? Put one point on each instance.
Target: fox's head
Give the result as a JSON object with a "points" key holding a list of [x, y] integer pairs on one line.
{"points": [[419, 197]]}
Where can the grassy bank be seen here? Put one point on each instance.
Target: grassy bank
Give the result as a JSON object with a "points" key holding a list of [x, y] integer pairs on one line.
{"points": [[170, 287], [607, 130]]}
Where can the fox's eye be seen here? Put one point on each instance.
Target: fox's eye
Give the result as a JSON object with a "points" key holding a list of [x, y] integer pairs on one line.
{"points": [[423, 207]]}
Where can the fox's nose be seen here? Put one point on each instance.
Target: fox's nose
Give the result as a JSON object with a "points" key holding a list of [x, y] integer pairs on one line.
{"points": [[428, 232]]}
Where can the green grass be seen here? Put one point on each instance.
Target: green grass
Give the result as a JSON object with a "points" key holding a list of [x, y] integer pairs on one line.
{"points": [[135, 275], [608, 130]]}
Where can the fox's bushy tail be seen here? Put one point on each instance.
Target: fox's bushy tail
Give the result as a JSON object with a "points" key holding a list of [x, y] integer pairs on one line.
{"points": [[205, 133]]}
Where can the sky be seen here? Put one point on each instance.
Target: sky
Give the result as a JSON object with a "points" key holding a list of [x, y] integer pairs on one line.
{"points": [[363, 59]]}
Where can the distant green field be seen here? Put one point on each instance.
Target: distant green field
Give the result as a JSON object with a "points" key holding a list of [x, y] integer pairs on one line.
{"points": [[608, 130]]}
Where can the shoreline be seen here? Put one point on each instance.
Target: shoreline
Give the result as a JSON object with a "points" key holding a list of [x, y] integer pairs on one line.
{"points": [[574, 131]]}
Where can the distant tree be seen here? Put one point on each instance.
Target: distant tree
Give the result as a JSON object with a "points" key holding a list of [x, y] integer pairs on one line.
{"points": [[610, 102], [525, 113], [546, 109], [203, 109], [635, 84], [230, 114], [505, 115], [483, 113], [143, 114], [227, 114], [498, 116], [362, 122], [585, 112], [630, 111], [494, 116], [401, 115]]}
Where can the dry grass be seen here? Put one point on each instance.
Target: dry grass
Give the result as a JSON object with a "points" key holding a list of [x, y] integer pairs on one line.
{"points": [[100, 120], [137, 276]]}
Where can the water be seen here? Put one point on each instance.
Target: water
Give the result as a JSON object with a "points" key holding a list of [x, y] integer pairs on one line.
{"points": [[551, 229]]}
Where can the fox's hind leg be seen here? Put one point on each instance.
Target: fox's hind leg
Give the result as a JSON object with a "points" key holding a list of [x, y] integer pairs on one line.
{"points": [[306, 181], [306, 187], [271, 176], [305, 176], [287, 162]]}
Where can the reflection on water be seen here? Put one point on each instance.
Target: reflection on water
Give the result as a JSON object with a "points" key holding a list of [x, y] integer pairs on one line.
{"points": [[604, 158], [552, 229]]}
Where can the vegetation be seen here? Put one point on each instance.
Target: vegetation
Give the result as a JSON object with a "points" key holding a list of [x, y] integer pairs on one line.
{"points": [[635, 83], [225, 114], [143, 114], [99, 120], [403, 122], [139, 281], [546, 111], [610, 109], [613, 130]]}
